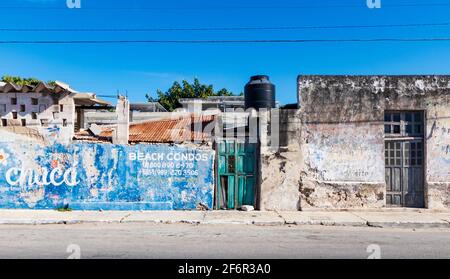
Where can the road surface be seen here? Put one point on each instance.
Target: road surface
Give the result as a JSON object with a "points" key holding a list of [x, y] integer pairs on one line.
{"points": [[161, 241]]}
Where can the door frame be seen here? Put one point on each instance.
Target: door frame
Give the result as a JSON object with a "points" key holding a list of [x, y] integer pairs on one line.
{"points": [[403, 139], [218, 185]]}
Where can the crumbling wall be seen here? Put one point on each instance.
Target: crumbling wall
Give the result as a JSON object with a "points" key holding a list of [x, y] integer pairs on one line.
{"points": [[438, 156], [344, 166], [342, 137], [281, 162]]}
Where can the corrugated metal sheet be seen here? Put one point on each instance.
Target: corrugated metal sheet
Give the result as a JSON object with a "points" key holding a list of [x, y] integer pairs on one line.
{"points": [[89, 137], [168, 131]]}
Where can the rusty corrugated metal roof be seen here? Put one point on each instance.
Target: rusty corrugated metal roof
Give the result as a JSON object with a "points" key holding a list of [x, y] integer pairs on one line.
{"points": [[177, 130], [84, 135]]}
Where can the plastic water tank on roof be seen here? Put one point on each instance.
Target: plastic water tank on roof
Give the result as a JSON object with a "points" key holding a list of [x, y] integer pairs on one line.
{"points": [[259, 93]]}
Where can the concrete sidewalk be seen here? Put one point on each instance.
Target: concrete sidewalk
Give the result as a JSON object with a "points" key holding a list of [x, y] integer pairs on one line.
{"points": [[383, 218]]}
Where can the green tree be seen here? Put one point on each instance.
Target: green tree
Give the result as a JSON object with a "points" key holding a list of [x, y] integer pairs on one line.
{"points": [[23, 81], [169, 99]]}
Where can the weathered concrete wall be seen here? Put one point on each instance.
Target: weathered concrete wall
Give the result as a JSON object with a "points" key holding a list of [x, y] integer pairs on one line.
{"points": [[343, 137], [344, 166], [281, 162], [438, 156], [88, 176], [121, 133]]}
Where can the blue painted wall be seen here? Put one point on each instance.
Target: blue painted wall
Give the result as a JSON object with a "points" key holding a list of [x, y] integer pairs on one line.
{"points": [[89, 176]]}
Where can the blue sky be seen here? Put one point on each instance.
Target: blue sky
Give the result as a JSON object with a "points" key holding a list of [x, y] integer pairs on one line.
{"points": [[143, 68]]}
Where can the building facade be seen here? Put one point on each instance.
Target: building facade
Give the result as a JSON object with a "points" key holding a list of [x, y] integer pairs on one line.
{"points": [[52, 112], [138, 113], [363, 142], [354, 142], [215, 103]]}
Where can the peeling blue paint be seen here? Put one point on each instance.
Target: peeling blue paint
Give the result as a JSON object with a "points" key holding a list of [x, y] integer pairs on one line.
{"points": [[90, 176]]}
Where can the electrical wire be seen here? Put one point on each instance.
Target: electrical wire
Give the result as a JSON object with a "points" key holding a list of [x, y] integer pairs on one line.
{"points": [[221, 28], [294, 41], [255, 7]]}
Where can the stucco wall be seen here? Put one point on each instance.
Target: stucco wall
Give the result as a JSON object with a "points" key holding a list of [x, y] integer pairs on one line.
{"points": [[438, 157], [88, 176], [342, 136], [281, 161], [344, 166]]}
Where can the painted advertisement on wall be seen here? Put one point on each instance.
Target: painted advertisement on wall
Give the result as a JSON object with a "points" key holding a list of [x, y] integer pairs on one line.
{"points": [[92, 176], [346, 152]]}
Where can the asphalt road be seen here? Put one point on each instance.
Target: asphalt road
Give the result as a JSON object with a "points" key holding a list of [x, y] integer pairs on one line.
{"points": [[185, 241]]}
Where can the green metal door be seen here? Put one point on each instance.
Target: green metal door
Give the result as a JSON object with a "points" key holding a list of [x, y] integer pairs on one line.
{"points": [[236, 179]]}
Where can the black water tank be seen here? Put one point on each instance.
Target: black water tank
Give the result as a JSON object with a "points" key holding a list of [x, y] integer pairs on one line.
{"points": [[259, 93]]}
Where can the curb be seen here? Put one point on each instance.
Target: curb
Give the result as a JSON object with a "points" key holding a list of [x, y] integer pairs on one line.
{"points": [[273, 218], [328, 224], [406, 225], [409, 225]]}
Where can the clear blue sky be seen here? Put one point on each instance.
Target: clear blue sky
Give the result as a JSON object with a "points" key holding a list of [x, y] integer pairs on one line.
{"points": [[143, 68]]}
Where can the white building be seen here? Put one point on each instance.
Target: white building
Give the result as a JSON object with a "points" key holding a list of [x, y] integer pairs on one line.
{"points": [[139, 112], [53, 112], [219, 103]]}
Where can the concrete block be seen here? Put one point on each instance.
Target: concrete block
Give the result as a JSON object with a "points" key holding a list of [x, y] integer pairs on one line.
{"points": [[247, 208]]}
